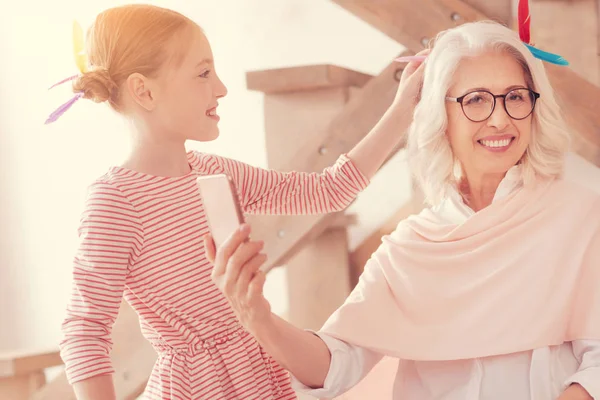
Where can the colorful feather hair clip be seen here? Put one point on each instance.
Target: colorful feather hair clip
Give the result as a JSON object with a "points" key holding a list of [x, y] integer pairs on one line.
{"points": [[524, 21], [82, 65]]}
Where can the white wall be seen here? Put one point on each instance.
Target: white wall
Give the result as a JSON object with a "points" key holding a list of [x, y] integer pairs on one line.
{"points": [[45, 169]]}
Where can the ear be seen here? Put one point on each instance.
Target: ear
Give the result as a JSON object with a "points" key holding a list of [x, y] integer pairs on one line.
{"points": [[142, 90]]}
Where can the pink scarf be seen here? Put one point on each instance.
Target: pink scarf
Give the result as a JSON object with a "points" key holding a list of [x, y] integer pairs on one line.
{"points": [[521, 274]]}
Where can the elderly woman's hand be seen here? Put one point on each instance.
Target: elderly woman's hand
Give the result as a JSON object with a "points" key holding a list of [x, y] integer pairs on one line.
{"points": [[411, 81], [236, 273]]}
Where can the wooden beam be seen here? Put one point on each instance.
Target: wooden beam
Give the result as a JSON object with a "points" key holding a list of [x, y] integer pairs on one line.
{"points": [[24, 362], [284, 235], [406, 21], [312, 77], [569, 28], [497, 10], [22, 372], [21, 387]]}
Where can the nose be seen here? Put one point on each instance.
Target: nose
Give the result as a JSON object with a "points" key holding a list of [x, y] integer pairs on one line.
{"points": [[499, 118], [220, 88]]}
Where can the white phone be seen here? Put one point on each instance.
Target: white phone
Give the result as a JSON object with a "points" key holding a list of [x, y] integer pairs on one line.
{"points": [[221, 206]]}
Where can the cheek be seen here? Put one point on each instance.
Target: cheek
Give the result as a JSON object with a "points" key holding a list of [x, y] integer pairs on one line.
{"points": [[524, 128], [460, 131]]}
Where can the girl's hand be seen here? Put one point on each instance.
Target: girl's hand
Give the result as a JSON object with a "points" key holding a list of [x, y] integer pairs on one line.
{"points": [[411, 81]]}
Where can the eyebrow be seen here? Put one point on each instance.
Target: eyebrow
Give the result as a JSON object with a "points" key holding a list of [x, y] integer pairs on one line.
{"points": [[508, 89], [205, 61]]}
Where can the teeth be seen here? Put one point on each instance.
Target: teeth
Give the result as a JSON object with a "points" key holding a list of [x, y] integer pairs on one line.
{"points": [[495, 143], [212, 113]]}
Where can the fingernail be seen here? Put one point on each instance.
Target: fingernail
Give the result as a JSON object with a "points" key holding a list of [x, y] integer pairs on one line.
{"points": [[244, 228]]}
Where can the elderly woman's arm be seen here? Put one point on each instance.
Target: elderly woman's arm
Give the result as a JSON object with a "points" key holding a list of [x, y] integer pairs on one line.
{"points": [[236, 273], [585, 383], [349, 365], [319, 363], [302, 353]]}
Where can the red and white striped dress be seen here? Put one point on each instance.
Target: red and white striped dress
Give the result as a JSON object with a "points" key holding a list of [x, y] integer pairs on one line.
{"points": [[141, 239]]}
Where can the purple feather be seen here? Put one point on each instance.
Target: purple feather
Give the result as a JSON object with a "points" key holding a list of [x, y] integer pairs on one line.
{"points": [[62, 109], [410, 58], [64, 80]]}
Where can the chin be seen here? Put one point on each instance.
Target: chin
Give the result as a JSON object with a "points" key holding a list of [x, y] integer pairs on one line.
{"points": [[499, 166], [204, 136]]}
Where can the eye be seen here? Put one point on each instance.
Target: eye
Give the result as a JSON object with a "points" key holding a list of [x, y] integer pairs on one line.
{"points": [[474, 99], [514, 97], [205, 74]]}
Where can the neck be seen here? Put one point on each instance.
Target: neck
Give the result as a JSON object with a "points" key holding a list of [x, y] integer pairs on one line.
{"points": [[479, 191], [152, 156]]}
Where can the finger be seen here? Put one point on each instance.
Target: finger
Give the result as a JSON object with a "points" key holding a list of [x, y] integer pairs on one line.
{"points": [[235, 264], [418, 73], [413, 66], [256, 286], [229, 247], [209, 248], [248, 271]]}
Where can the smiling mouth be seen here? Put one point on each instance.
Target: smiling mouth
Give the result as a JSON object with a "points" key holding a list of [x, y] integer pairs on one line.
{"points": [[496, 144], [212, 113]]}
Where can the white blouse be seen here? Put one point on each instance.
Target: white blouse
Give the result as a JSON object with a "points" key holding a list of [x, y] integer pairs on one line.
{"points": [[540, 374]]}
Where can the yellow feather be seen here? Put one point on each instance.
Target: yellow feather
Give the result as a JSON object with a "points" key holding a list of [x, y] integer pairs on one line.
{"points": [[79, 48]]}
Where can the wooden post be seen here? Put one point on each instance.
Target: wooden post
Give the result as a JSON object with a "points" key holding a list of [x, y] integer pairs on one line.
{"points": [[300, 102], [318, 279]]}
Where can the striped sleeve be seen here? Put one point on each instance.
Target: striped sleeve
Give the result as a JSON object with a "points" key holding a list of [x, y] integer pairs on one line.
{"points": [[110, 238], [264, 191]]}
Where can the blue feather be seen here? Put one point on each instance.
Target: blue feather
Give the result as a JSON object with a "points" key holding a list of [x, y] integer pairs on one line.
{"points": [[546, 56]]}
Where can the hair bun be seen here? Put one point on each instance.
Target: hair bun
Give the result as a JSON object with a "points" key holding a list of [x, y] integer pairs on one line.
{"points": [[97, 85]]}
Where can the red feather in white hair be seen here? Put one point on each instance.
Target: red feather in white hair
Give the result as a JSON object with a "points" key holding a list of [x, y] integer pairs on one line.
{"points": [[524, 21]]}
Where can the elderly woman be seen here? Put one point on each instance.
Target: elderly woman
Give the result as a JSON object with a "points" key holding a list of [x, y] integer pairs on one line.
{"points": [[492, 292]]}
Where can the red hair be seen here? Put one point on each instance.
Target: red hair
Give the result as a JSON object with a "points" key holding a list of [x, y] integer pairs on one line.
{"points": [[135, 38]]}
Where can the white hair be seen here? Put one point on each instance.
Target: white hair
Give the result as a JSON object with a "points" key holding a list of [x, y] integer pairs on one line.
{"points": [[430, 157]]}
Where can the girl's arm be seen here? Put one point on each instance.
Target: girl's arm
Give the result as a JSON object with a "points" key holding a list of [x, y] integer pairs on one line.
{"points": [[97, 388], [110, 237], [264, 191]]}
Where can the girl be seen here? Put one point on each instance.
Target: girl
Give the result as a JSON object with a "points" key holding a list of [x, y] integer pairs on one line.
{"points": [[141, 229]]}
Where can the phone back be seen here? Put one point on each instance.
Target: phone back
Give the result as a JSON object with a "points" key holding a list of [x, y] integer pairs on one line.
{"points": [[221, 206]]}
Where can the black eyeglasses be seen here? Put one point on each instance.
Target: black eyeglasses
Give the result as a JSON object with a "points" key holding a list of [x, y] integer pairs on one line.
{"points": [[480, 105]]}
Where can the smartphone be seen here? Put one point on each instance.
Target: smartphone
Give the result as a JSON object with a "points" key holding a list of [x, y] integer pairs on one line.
{"points": [[221, 206]]}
